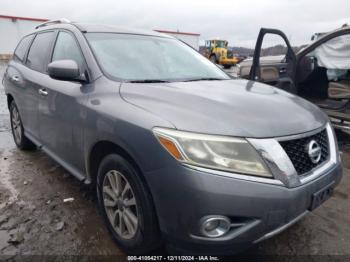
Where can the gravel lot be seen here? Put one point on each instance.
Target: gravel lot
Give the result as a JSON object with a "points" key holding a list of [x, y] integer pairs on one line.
{"points": [[34, 220]]}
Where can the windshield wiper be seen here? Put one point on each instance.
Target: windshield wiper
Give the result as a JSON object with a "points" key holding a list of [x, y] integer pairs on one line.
{"points": [[167, 81], [149, 81], [203, 79]]}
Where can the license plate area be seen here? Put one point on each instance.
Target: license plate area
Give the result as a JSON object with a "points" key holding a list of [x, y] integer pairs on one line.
{"points": [[321, 196]]}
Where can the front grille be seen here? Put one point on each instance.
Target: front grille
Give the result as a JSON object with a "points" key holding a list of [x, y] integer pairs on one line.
{"points": [[296, 149]]}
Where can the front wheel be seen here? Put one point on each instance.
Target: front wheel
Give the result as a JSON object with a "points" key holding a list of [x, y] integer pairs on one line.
{"points": [[213, 59], [126, 206], [22, 142]]}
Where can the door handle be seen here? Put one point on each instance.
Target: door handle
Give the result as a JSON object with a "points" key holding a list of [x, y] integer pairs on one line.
{"points": [[15, 78], [43, 92]]}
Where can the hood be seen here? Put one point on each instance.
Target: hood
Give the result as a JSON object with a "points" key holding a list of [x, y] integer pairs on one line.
{"points": [[230, 107]]}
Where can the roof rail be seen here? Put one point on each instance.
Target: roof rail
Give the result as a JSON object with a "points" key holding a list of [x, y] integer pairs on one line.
{"points": [[53, 22]]}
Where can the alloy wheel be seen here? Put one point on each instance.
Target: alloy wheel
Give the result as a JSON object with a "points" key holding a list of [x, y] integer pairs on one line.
{"points": [[16, 125], [120, 204]]}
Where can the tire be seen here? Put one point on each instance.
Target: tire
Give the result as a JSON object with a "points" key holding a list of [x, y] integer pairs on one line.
{"points": [[21, 141], [213, 59], [145, 236]]}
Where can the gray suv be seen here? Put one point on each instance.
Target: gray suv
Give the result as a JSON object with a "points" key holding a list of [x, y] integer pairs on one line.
{"points": [[179, 152]]}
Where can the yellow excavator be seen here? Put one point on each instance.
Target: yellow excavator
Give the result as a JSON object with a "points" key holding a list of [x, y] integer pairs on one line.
{"points": [[217, 52]]}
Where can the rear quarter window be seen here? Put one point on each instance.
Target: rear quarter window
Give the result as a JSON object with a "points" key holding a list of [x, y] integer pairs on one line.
{"points": [[39, 51], [22, 47]]}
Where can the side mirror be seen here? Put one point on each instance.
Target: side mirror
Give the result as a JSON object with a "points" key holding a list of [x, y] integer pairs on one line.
{"points": [[64, 70]]}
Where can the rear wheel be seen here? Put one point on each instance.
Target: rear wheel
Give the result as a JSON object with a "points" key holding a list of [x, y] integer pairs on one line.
{"points": [[22, 142], [126, 206]]}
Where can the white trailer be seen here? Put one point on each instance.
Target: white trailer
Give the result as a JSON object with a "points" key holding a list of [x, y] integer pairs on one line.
{"points": [[12, 29], [191, 39]]}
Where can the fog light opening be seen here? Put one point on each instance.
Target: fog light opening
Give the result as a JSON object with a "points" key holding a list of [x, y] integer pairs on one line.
{"points": [[215, 226]]}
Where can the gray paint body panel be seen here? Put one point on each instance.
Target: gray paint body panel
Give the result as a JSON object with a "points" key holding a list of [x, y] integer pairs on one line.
{"points": [[230, 107], [74, 117]]}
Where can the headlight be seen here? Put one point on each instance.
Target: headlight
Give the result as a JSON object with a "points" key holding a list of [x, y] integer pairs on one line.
{"points": [[216, 152]]}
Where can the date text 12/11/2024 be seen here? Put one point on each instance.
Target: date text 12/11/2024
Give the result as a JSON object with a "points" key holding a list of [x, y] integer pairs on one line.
{"points": [[173, 258]]}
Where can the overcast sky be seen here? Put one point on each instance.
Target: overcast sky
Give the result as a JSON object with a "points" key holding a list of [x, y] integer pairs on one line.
{"points": [[235, 20]]}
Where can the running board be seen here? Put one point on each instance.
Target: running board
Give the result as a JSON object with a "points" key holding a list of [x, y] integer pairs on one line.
{"points": [[74, 171]]}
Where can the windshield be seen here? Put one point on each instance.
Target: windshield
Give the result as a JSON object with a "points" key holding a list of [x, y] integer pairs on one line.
{"points": [[220, 44], [136, 57]]}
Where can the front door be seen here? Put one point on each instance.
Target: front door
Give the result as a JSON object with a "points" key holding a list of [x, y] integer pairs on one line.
{"points": [[274, 61], [323, 74], [61, 112]]}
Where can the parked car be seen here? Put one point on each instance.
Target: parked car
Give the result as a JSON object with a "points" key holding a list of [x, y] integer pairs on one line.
{"points": [[179, 152], [240, 57], [319, 72]]}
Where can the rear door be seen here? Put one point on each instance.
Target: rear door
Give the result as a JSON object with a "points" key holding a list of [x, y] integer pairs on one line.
{"points": [[34, 75], [278, 68], [14, 82], [25, 74]]}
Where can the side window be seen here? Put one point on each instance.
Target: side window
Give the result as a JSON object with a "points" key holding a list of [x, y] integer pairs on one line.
{"points": [[22, 47], [39, 51], [67, 48], [273, 45]]}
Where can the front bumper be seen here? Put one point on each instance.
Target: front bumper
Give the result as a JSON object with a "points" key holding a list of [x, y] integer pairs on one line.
{"points": [[182, 196], [228, 61]]}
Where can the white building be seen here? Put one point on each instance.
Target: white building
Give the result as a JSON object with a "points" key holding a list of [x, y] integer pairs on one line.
{"points": [[12, 29], [191, 39]]}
